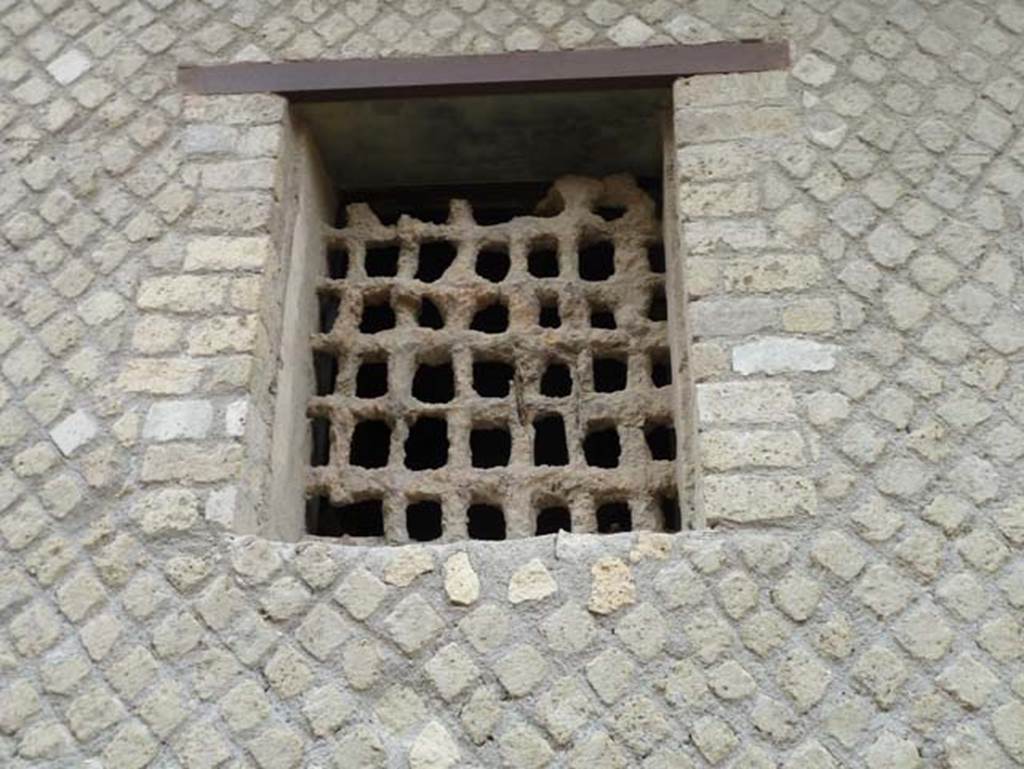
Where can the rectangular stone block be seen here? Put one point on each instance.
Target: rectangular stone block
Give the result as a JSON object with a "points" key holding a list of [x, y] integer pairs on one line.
{"points": [[233, 211], [718, 199], [713, 162], [184, 293], [229, 333], [226, 253], [192, 462], [704, 237], [771, 272], [697, 126], [238, 175], [735, 402], [738, 88], [746, 499], [244, 109], [732, 449], [780, 355], [725, 316], [160, 376]]}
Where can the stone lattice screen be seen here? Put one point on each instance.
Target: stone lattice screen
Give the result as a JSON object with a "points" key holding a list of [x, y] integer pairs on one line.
{"points": [[493, 380]]}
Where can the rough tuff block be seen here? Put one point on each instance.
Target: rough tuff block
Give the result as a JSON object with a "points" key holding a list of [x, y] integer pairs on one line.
{"points": [[749, 499]]}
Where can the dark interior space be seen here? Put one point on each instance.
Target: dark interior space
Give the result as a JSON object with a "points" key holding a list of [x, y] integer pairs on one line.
{"points": [[490, 446], [493, 263], [426, 447], [549, 316], [428, 315], [325, 372], [542, 261], [492, 378], [656, 257], [602, 317], [556, 381], [492, 319], [661, 369], [378, 316], [657, 310], [549, 444], [321, 449], [337, 263], [661, 440], [671, 516], [382, 260], [485, 522], [597, 260], [613, 517], [372, 379], [434, 384], [423, 520], [330, 306], [611, 213], [602, 448], [435, 257], [371, 444], [609, 375], [363, 518], [550, 520]]}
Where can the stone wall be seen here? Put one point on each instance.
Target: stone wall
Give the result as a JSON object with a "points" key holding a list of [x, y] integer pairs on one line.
{"points": [[852, 250]]}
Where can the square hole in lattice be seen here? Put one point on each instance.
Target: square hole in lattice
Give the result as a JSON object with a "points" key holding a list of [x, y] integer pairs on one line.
{"points": [[428, 315], [493, 263], [491, 319], [423, 520], [337, 263], [610, 374], [601, 446], [556, 381], [657, 308], [613, 517], [551, 520], [610, 213], [434, 383], [485, 521], [492, 379], [330, 306], [549, 443], [656, 257], [490, 446], [661, 368], [602, 316], [661, 441], [435, 257], [548, 315], [597, 261], [321, 440], [671, 516], [372, 379], [426, 447], [362, 518], [325, 372], [377, 316], [382, 260], [542, 259], [371, 444]]}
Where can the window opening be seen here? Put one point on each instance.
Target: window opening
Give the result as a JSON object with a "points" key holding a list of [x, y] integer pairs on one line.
{"points": [[480, 321], [337, 263]]}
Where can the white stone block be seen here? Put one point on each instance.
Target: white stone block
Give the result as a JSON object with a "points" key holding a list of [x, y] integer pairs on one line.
{"points": [[780, 355], [68, 67], [73, 432], [169, 420], [235, 416], [220, 506]]}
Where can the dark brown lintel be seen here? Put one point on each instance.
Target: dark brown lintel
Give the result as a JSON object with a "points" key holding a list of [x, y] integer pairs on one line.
{"points": [[602, 68]]}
